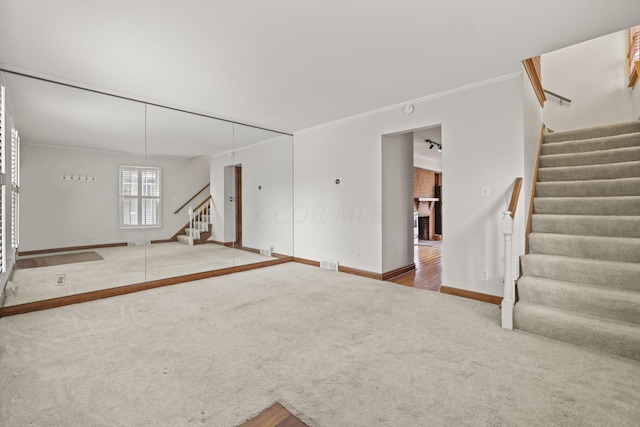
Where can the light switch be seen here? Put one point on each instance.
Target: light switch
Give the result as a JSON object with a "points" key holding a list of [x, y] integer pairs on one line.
{"points": [[485, 192]]}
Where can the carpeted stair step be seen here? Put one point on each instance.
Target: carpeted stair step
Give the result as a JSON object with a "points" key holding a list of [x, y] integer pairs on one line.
{"points": [[183, 238], [616, 205], [615, 304], [586, 145], [617, 155], [593, 132], [611, 274], [594, 188], [590, 172], [587, 225], [189, 232], [624, 249], [622, 338]]}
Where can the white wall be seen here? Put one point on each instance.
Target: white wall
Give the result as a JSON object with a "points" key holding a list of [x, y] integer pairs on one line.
{"points": [[397, 201], [266, 212], [56, 213], [483, 129], [592, 74], [428, 164]]}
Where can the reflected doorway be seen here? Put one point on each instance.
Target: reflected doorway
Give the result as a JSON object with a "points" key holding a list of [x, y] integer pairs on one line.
{"points": [[238, 198]]}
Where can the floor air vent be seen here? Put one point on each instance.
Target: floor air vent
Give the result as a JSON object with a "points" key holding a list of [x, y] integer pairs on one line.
{"points": [[328, 264], [265, 252]]}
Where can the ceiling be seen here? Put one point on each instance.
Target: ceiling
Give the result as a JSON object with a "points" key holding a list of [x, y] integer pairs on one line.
{"points": [[56, 115], [286, 64], [421, 148]]}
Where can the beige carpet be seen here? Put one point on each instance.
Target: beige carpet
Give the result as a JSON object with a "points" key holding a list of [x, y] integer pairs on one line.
{"points": [[334, 349], [580, 280], [124, 266]]}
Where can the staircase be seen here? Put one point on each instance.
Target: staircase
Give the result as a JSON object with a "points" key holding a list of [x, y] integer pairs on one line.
{"points": [[580, 281], [198, 229]]}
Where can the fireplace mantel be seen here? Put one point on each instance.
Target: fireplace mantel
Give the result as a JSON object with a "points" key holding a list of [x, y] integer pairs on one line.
{"points": [[429, 200]]}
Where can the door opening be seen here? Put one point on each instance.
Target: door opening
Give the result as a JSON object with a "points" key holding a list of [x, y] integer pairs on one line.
{"points": [[238, 197], [427, 205]]}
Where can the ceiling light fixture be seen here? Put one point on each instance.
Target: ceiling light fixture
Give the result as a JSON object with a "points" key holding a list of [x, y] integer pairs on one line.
{"points": [[434, 144]]}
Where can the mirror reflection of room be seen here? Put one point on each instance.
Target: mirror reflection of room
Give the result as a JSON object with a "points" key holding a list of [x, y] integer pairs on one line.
{"points": [[115, 192]]}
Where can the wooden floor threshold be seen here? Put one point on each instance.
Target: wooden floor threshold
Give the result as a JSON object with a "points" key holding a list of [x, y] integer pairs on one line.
{"points": [[128, 289], [491, 299], [274, 416]]}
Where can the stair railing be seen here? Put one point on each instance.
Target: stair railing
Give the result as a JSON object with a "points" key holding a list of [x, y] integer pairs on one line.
{"points": [[191, 198], [506, 228], [560, 98], [200, 219], [191, 224]]}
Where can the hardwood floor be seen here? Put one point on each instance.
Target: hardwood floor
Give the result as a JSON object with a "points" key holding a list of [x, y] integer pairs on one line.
{"points": [[274, 416], [428, 274]]}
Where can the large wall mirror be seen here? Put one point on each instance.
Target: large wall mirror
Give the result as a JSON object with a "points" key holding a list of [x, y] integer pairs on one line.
{"points": [[115, 192]]}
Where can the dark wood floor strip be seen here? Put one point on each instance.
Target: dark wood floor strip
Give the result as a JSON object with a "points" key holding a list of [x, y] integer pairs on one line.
{"points": [[274, 416], [47, 261]]}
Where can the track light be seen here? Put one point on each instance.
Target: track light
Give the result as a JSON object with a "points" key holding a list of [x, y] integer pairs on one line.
{"points": [[434, 144]]}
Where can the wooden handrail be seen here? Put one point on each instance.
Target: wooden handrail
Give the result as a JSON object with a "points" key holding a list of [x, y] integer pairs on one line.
{"points": [[203, 202], [192, 197], [534, 77], [515, 195]]}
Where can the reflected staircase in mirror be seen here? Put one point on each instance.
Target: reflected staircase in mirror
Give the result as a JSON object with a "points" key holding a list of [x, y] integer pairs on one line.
{"points": [[198, 229], [580, 280]]}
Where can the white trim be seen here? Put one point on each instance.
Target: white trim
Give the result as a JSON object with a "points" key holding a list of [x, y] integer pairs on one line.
{"points": [[3, 127], [3, 229]]}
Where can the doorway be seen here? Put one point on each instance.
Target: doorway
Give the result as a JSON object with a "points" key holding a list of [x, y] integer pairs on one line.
{"points": [[238, 198], [427, 205]]}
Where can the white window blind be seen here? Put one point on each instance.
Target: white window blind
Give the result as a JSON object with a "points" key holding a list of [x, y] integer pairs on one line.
{"points": [[140, 196], [15, 188]]}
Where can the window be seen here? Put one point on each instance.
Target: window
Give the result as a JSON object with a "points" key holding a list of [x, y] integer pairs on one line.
{"points": [[633, 54], [140, 200], [15, 188]]}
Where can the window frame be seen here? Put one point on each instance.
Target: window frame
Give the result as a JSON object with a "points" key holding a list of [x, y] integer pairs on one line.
{"points": [[139, 197], [633, 54]]}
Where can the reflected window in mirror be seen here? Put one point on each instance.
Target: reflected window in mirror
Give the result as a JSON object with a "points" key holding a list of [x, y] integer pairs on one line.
{"points": [[140, 196]]}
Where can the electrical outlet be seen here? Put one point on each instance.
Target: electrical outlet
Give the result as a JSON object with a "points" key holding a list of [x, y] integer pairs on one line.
{"points": [[485, 275], [60, 279]]}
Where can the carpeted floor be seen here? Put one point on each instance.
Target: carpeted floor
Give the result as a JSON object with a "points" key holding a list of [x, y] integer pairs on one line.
{"points": [[124, 265], [334, 349]]}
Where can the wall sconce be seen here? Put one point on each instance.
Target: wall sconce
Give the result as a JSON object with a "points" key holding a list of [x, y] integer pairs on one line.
{"points": [[434, 144]]}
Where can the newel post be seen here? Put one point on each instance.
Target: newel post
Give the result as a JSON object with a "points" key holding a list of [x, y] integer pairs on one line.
{"points": [[191, 225], [506, 227]]}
